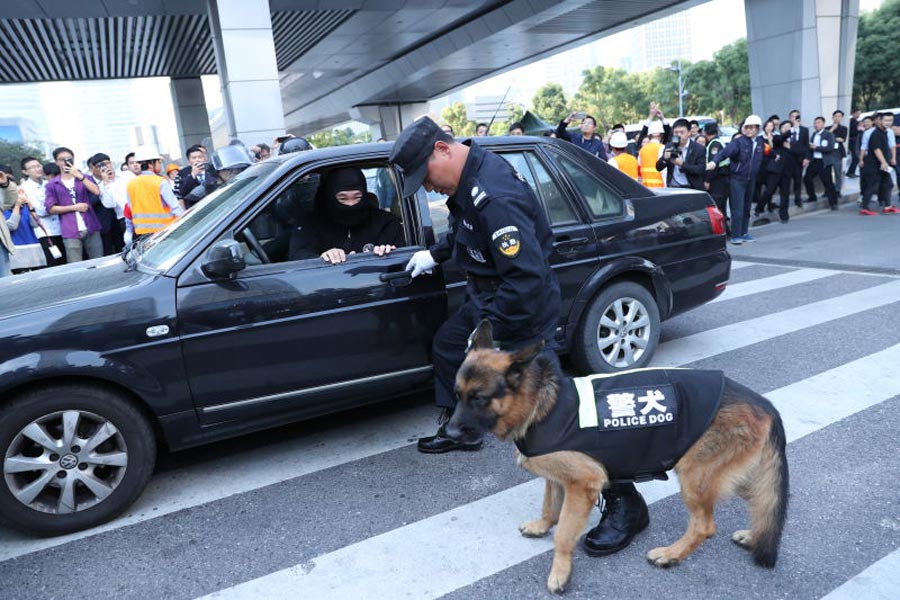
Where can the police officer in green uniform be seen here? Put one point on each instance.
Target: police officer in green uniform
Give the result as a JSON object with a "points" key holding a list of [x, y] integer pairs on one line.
{"points": [[499, 235]]}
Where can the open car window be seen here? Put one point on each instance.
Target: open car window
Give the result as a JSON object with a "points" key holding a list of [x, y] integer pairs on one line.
{"points": [[295, 222]]}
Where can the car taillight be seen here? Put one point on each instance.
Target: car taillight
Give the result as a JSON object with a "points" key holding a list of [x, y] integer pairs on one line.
{"points": [[716, 220]]}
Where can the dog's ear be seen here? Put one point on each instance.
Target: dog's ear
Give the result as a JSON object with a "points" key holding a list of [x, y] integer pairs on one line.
{"points": [[482, 338], [520, 361]]}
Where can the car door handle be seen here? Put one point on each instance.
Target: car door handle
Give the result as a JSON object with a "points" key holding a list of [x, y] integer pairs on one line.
{"points": [[564, 244], [397, 279]]}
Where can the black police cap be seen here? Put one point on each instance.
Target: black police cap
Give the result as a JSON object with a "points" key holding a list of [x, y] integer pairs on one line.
{"points": [[412, 150]]}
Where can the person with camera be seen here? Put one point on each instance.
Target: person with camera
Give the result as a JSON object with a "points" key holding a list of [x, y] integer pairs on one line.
{"points": [[199, 172], [586, 139], [683, 159], [67, 195]]}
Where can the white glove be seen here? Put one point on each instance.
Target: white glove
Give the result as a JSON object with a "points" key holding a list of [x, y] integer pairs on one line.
{"points": [[127, 236], [421, 262]]}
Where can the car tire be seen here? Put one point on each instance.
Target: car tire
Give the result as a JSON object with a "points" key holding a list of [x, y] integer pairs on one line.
{"points": [[619, 330], [105, 451]]}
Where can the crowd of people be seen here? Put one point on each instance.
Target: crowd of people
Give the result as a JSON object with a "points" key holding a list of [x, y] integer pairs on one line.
{"points": [[58, 213], [743, 173]]}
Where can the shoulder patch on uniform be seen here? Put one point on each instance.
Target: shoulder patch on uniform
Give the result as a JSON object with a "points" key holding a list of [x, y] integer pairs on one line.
{"points": [[507, 241]]}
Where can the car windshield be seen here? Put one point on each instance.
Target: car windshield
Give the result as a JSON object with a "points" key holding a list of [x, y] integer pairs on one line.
{"points": [[164, 249]]}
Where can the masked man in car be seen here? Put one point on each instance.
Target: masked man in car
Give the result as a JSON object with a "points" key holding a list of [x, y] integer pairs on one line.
{"points": [[499, 235]]}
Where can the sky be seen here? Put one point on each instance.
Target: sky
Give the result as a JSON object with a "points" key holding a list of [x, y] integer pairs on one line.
{"points": [[151, 101]]}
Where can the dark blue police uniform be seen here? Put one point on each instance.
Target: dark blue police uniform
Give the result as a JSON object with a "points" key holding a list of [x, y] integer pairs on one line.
{"points": [[500, 236]]}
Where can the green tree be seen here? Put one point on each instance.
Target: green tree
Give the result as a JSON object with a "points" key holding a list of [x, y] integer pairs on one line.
{"points": [[12, 153], [720, 87], [338, 137], [550, 103], [873, 86], [455, 116]]}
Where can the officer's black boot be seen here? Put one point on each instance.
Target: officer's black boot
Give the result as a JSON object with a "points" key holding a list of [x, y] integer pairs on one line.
{"points": [[623, 515], [441, 442]]}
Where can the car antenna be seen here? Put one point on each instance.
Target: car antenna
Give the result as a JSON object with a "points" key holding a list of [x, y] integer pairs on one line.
{"points": [[498, 109]]}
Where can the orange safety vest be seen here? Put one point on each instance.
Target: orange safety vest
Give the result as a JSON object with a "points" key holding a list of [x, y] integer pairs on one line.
{"points": [[649, 155], [149, 213], [627, 164]]}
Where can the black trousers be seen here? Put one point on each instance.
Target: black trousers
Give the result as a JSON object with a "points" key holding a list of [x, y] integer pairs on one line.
{"points": [[719, 187], [782, 183], [876, 182], [854, 155], [795, 170], [449, 349], [818, 169], [57, 241]]}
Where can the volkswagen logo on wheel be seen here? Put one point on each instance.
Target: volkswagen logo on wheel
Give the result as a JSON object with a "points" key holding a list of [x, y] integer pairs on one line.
{"points": [[69, 461]]}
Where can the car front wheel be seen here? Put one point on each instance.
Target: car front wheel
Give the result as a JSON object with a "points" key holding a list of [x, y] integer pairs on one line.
{"points": [[73, 457], [619, 331]]}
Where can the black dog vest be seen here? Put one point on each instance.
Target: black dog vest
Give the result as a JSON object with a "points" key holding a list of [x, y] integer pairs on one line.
{"points": [[638, 424]]}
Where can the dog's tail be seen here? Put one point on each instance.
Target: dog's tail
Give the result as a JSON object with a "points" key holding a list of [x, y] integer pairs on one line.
{"points": [[769, 495]]}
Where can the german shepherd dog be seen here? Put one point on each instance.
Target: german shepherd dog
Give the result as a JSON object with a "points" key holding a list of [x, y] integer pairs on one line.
{"points": [[742, 452]]}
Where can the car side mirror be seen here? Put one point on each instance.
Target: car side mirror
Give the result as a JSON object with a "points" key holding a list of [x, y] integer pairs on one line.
{"points": [[224, 260]]}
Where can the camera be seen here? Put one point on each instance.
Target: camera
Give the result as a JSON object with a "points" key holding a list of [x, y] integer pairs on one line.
{"points": [[672, 147]]}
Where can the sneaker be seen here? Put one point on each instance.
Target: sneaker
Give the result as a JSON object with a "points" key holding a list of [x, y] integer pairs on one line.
{"points": [[866, 212], [738, 241], [890, 210], [748, 238]]}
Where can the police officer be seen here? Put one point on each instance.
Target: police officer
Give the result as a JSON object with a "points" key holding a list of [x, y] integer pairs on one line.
{"points": [[499, 235], [718, 181]]}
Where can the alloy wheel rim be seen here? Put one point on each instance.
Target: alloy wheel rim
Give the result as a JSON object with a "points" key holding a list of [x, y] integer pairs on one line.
{"points": [[65, 462], [623, 332]]}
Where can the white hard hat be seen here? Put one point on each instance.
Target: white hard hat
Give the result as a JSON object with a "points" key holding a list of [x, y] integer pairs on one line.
{"points": [[146, 152], [618, 140], [656, 128], [753, 120]]}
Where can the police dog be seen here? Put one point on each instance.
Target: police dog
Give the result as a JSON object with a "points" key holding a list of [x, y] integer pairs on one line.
{"points": [[741, 452]]}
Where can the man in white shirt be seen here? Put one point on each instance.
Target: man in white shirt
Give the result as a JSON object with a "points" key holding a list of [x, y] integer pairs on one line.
{"points": [[49, 235], [114, 194]]}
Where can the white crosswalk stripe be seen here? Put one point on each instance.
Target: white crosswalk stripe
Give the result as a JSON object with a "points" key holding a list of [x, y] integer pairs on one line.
{"points": [[881, 581], [455, 548], [766, 284]]}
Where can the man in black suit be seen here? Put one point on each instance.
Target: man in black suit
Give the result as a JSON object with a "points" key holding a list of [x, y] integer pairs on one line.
{"points": [[839, 132], [824, 156], [683, 159], [799, 152], [198, 172], [853, 143]]}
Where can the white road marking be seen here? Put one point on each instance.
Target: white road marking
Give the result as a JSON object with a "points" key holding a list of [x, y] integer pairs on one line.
{"points": [[880, 581], [767, 284], [450, 550], [723, 339]]}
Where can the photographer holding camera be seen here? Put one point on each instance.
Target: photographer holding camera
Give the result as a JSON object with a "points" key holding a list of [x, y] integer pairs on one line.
{"points": [[587, 139], [683, 159]]}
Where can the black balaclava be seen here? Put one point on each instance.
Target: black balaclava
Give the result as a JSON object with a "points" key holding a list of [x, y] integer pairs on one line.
{"points": [[346, 179]]}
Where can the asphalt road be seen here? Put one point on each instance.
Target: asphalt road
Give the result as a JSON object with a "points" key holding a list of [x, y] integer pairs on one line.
{"points": [[344, 507]]}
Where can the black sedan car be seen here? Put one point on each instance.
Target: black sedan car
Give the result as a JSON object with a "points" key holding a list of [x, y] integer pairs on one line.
{"points": [[209, 329]]}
